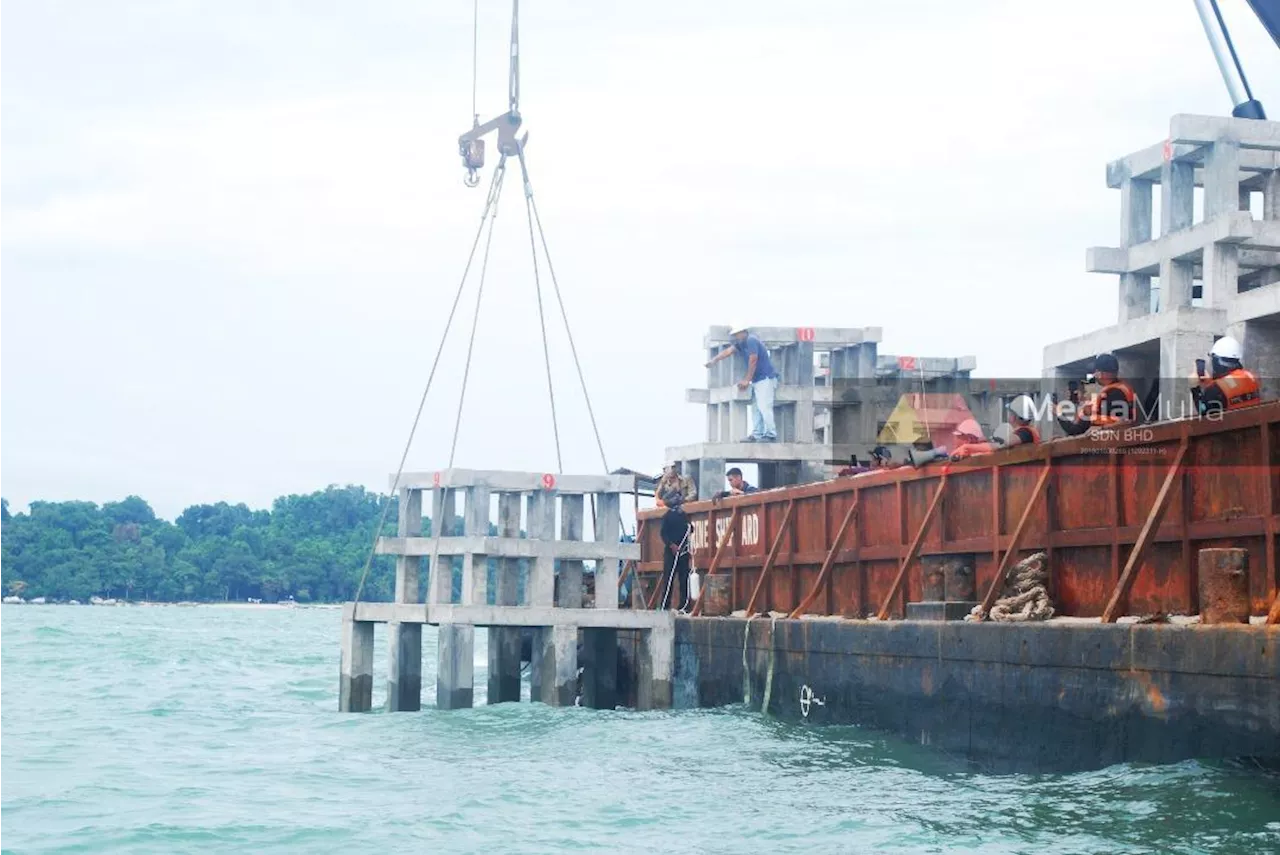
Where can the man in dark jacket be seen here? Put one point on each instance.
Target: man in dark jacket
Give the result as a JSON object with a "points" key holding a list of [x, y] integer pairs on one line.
{"points": [[675, 554]]}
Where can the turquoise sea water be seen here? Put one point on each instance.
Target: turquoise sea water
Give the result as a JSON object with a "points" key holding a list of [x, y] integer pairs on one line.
{"points": [[215, 730]]}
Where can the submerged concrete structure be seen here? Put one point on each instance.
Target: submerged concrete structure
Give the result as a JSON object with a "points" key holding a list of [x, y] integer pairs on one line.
{"points": [[1191, 278], [554, 551]]}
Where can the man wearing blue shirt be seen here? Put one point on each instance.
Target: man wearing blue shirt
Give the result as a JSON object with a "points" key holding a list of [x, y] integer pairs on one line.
{"points": [[760, 376]]}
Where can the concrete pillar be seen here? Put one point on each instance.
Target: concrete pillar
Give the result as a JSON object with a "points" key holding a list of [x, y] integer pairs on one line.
{"points": [[404, 660], [455, 666], [1221, 177], [710, 477], [475, 565], [541, 525], [600, 689], [555, 665], [1261, 353], [1176, 279], [608, 530], [355, 684], [569, 589], [1135, 228], [1178, 354], [1271, 196], [1177, 196], [657, 655], [504, 641], [1221, 274], [440, 584], [409, 567], [404, 667], [725, 426]]}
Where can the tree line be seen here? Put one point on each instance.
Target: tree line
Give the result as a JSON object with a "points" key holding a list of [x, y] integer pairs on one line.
{"points": [[310, 547]]}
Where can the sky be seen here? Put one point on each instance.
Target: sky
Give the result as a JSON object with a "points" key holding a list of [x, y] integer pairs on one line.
{"points": [[232, 230]]}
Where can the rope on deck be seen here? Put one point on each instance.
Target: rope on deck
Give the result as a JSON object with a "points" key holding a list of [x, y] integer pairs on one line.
{"points": [[1025, 594]]}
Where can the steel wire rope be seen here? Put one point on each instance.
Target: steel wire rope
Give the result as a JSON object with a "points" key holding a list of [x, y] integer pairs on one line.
{"points": [[499, 176], [542, 321], [395, 484]]}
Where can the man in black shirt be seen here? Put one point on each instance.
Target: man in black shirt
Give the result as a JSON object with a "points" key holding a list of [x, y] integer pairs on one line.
{"points": [[676, 548]]}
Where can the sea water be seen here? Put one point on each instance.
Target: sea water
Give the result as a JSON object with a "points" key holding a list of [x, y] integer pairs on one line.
{"points": [[214, 729]]}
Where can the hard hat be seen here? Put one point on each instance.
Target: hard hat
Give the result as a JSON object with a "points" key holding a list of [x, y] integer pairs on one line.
{"points": [[1106, 362], [1023, 407], [968, 427], [1227, 348], [1002, 434], [737, 328]]}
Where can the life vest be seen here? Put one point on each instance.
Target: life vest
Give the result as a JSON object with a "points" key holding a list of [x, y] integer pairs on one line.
{"points": [[1239, 388], [1101, 415], [1035, 434]]}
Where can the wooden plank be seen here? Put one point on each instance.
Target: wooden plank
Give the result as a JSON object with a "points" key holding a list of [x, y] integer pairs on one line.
{"points": [[1015, 540], [915, 547], [1273, 616], [995, 516], [1130, 572], [829, 561], [725, 540], [774, 549]]}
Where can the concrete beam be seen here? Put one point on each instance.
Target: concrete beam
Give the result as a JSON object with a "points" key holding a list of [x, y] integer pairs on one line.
{"points": [[548, 616], [1259, 303], [1148, 163], [522, 482], [1205, 130], [509, 547], [751, 452], [824, 338], [717, 395], [1236, 227], [1135, 332]]}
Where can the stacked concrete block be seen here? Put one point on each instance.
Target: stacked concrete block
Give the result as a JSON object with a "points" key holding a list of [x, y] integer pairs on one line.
{"points": [[825, 409], [1216, 276], [553, 604]]}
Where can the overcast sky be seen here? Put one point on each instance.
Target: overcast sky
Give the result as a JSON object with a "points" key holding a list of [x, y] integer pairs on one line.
{"points": [[232, 228]]}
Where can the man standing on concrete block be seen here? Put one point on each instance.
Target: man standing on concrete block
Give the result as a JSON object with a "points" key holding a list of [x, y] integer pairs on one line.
{"points": [[760, 376]]}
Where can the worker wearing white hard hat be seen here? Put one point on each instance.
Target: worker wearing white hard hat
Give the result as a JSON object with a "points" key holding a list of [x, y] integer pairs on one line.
{"points": [[758, 375], [1020, 430], [1228, 385]]}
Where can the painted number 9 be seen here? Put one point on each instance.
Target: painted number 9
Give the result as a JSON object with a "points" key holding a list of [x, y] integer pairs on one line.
{"points": [[548, 481]]}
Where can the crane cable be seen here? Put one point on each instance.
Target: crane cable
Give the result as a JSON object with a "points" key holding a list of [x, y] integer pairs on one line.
{"points": [[475, 42], [395, 484], [542, 320], [438, 526]]}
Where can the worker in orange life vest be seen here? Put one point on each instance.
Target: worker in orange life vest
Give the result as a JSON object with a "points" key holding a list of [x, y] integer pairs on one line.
{"points": [[1230, 385], [1113, 404], [1022, 413]]}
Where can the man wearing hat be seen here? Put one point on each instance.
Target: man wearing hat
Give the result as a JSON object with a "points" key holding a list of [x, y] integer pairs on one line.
{"points": [[1113, 404], [760, 376], [672, 480], [676, 532]]}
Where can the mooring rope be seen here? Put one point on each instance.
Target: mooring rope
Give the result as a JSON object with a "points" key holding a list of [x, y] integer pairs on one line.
{"points": [[1027, 594], [768, 680]]}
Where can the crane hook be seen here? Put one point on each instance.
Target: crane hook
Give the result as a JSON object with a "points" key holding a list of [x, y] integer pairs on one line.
{"points": [[472, 178]]}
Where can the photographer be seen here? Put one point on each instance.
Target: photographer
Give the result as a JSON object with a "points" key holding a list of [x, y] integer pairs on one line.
{"points": [[1230, 386], [1112, 405]]}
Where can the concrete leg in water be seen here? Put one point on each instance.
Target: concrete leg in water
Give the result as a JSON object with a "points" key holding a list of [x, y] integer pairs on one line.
{"points": [[505, 641], [600, 669], [404, 667], [355, 685], [555, 666], [455, 667], [657, 653]]}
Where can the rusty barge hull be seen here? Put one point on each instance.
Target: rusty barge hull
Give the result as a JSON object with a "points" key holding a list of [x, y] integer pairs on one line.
{"points": [[1121, 518]]}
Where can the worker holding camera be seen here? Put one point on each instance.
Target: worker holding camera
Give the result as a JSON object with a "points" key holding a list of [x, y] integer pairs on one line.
{"points": [[1113, 404], [1229, 386]]}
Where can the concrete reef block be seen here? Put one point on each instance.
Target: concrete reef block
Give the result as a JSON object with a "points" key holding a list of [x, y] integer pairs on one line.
{"points": [[600, 669], [455, 669], [1224, 586], [355, 686], [657, 655]]}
